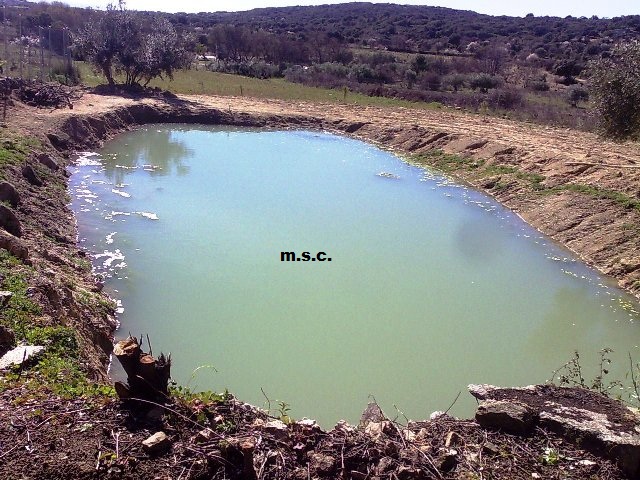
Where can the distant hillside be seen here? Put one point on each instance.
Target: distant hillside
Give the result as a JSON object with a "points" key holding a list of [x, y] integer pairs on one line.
{"points": [[428, 29], [530, 68]]}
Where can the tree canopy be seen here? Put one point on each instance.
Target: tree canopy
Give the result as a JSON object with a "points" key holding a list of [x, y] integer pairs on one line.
{"points": [[615, 84], [129, 43]]}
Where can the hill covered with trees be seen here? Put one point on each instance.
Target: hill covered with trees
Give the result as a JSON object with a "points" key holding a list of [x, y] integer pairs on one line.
{"points": [[532, 68]]}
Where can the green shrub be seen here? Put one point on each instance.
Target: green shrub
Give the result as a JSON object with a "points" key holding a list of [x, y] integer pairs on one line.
{"points": [[615, 87], [65, 73]]}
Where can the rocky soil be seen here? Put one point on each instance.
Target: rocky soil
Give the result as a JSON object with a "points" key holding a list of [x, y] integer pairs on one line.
{"points": [[199, 438], [582, 191]]}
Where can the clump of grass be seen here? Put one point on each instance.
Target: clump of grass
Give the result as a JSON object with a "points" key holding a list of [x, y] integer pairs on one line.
{"points": [[14, 150], [445, 162], [58, 369], [450, 163], [21, 312], [618, 197], [499, 170]]}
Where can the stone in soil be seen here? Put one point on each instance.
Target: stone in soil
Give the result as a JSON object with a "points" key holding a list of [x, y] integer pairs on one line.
{"points": [[508, 416], [19, 355], [31, 176], [9, 221], [8, 193], [156, 443]]}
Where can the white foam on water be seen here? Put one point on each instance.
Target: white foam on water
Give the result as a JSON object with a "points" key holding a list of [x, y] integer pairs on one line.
{"points": [[111, 257], [86, 159], [149, 215], [120, 192], [109, 238]]}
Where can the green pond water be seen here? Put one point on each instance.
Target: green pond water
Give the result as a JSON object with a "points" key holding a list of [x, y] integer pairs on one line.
{"points": [[431, 285]]}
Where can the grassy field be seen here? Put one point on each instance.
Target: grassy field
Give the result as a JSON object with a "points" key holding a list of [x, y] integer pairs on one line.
{"points": [[202, 82]]}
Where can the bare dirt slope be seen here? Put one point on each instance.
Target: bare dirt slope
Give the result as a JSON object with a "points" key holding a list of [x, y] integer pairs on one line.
{"points": [[581, 190]]}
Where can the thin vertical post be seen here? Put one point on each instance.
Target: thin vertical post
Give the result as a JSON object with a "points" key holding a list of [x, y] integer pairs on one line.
{"points": [[50, 47], [68, 47], [20, 43], [41, 38], [6, 33]]}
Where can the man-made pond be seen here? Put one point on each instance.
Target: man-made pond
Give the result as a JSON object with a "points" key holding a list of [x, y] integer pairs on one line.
{"points": [[430, 286]]}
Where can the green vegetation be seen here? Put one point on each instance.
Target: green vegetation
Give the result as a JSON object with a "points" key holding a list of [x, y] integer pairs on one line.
{"points": [[571, 374], [202, 82], [620, 198], [450, 163], [477, 170], [14, 149], [58, 369], [530, 68], [134, 45], [280, 411], [616, 89], [21, 311]]}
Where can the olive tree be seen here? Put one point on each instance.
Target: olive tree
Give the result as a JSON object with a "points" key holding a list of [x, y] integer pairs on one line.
{"points": [[125, 42], [576, 94], [615, 88], [484, 82]]}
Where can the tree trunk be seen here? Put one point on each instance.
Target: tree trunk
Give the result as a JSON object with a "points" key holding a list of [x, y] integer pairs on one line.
{"points": [[147, 377]]}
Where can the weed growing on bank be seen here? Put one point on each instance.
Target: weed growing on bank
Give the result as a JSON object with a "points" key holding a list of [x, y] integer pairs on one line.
{"points": [[58, 370], [505, 176], [571, 374], [14, 150]]}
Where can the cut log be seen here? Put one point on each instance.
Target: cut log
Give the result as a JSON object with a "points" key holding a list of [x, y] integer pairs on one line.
{"points": [[147, 377]]}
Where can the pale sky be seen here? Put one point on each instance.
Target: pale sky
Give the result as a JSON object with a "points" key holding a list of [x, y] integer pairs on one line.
{"points": [[560, 8]]}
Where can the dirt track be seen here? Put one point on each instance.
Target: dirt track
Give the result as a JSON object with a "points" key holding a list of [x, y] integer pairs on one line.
{"points": [[507, 156]]}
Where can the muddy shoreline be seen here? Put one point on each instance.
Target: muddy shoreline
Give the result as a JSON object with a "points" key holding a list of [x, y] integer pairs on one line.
{"points": [[561, 184], [585, 218], [565, 190]]}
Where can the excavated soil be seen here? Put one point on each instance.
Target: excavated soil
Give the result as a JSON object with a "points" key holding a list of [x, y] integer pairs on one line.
{"points": [[529, 168], [579, 189], [83, 439]]}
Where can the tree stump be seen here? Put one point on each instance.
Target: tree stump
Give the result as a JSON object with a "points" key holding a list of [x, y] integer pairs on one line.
{"points": [[147, 377]]}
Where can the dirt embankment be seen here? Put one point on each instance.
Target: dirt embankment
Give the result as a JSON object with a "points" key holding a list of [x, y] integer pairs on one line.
{"points": [[580, 190]]}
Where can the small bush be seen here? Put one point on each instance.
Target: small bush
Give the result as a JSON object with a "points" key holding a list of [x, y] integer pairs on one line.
{"points": [[507, 98], [576, 94], [615, 85], [484, 82], [431, 81], [65, 73], [257, 69], [60, 341], [455, 81], [538, 85], [567, 81]]}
